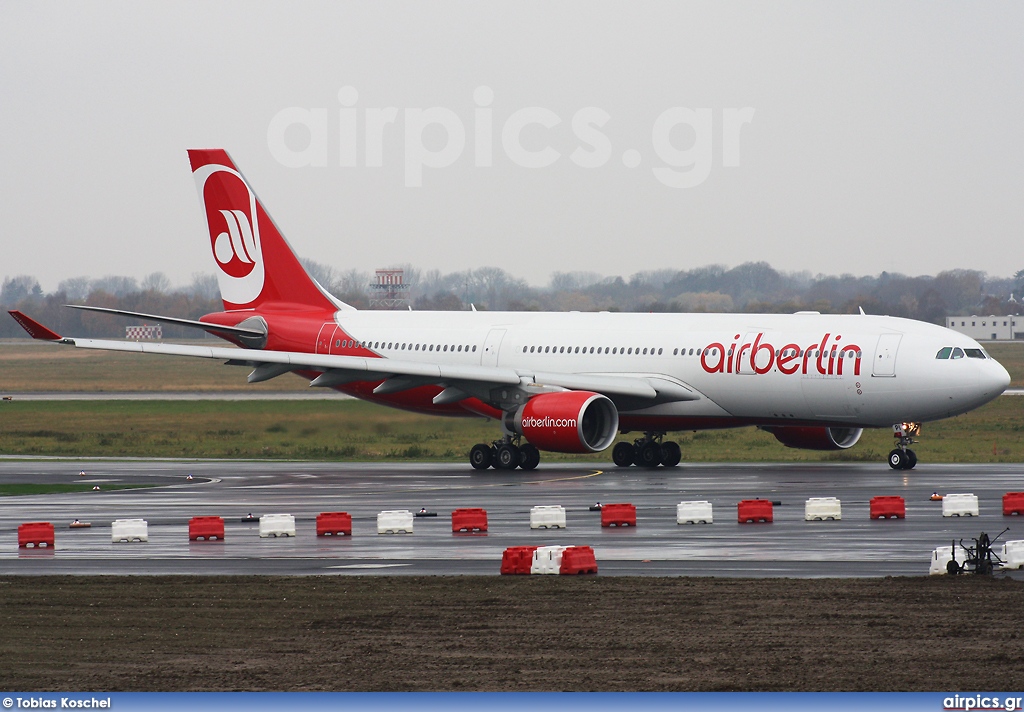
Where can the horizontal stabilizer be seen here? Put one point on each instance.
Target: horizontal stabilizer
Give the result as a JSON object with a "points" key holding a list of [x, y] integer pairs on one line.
{"points": [[217, 328]]}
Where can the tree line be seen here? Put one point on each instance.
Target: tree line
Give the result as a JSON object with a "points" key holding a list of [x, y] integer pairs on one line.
{"points": [[750, 287]]}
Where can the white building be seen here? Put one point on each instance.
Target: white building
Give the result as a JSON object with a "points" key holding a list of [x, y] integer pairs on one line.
{"points": [[988, 328]]}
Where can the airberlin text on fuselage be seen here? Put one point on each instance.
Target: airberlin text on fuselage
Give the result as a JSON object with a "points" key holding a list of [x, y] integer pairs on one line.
{"points": [[825, 357]]}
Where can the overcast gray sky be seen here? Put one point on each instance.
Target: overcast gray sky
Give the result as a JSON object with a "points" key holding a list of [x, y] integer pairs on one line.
{"points": [[882, 136]]}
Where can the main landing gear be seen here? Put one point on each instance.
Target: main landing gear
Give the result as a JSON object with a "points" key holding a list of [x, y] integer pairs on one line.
{"points": [[505, 454], [902, 457], [648, 451]]}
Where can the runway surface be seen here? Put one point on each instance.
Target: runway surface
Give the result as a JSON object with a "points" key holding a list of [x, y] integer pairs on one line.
{"points": [[314, 394], [790, 547]]}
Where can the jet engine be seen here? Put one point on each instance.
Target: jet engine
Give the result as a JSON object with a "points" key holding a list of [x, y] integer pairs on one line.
{"points": [[807, 438], [570, 421]]}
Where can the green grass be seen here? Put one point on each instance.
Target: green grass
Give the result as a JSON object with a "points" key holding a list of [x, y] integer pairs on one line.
{"points": [[15, 490], [358, 431]]}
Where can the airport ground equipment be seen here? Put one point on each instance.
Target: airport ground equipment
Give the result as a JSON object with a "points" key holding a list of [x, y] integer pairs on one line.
{"points": [[80, 525], [129, 530], [1013, 503], [754, 510], [206, 528], [1013, 554], [960, 505], [888, 507], [275, 525], [548, 516], [818, 509], [394, 521], [35, 534], [517, 559], [694, 512], [979, 559], [618, 515], [334, 524], [469, 520]]}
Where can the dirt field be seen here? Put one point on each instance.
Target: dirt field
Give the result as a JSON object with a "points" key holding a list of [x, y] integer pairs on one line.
{"points": [[509, 633]]}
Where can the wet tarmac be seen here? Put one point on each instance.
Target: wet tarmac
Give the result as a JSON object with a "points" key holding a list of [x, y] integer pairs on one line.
{"points": [[788, 547]]}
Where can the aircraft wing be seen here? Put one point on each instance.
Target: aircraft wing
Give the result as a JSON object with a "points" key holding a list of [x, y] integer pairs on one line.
{"points": [[459, 381]]}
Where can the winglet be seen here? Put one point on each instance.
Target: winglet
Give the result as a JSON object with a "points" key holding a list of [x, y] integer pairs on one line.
{"points": [[33, 327]]}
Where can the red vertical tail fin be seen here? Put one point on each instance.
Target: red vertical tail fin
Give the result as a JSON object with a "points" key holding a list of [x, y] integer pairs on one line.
{"points": [[255, 264]]}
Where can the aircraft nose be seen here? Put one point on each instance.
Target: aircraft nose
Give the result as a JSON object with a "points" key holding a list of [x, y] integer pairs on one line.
{"points": [[995, 379]]}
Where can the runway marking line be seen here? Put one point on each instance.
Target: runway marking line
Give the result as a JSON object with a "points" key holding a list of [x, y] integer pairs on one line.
{"points": [[595, 473]]}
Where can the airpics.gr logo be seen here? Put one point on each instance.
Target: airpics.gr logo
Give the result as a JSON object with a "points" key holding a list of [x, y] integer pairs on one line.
{"points": [[230, 209]]}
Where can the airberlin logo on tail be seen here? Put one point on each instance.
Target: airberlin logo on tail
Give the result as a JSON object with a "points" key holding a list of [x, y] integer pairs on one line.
{"points": [[230, 209], [234, 249], [824, 357]]}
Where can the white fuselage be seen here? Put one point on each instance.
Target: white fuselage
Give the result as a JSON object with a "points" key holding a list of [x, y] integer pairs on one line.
{"points": [[855, 370]]}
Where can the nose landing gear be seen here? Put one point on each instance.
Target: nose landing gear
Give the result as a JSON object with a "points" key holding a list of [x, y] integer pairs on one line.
{"points": [[902, 457], [648, 451]]}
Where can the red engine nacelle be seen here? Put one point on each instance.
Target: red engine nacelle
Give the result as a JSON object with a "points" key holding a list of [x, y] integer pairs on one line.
{"points": [[807, 438], [572, 421]]}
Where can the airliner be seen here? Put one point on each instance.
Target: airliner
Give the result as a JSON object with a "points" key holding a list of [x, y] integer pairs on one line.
{"points": [[569, 382]]}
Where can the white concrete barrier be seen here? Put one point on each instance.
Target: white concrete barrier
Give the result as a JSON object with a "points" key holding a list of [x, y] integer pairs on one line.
{"points": [[822, 508], [129, 530], [277, 525], [547, 560], [1013, 554], [942, 556], [547, 516], [696, 512], [394, 521], [960, 505]]}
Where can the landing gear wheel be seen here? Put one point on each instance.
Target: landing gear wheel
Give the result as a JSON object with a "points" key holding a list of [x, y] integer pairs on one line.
{"points": [[897, 459], [529, 457], [911, 460], [480, 457], [649, 454], [622, 455], [507, 457], [670, 454]]}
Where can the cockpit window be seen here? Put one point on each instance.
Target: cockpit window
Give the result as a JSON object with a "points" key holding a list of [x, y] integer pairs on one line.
{"points": [[974, 353], [944, 352], [957, 353]]}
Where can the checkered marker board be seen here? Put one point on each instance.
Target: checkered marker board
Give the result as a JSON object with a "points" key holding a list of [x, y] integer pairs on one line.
{"points": [[144, 332]]}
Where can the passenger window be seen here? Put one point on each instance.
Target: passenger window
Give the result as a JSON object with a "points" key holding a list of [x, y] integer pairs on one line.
{"points": [[474, 348], [958, 353], [974, 353], [944, 352]]}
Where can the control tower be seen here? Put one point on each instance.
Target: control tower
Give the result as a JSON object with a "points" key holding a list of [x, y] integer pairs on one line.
{"points": [[389, 290]]}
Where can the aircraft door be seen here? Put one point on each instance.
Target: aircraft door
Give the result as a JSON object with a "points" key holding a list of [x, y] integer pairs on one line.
{"points": [[884, 364], [743, 355], [489, 356], [323, 339]]}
